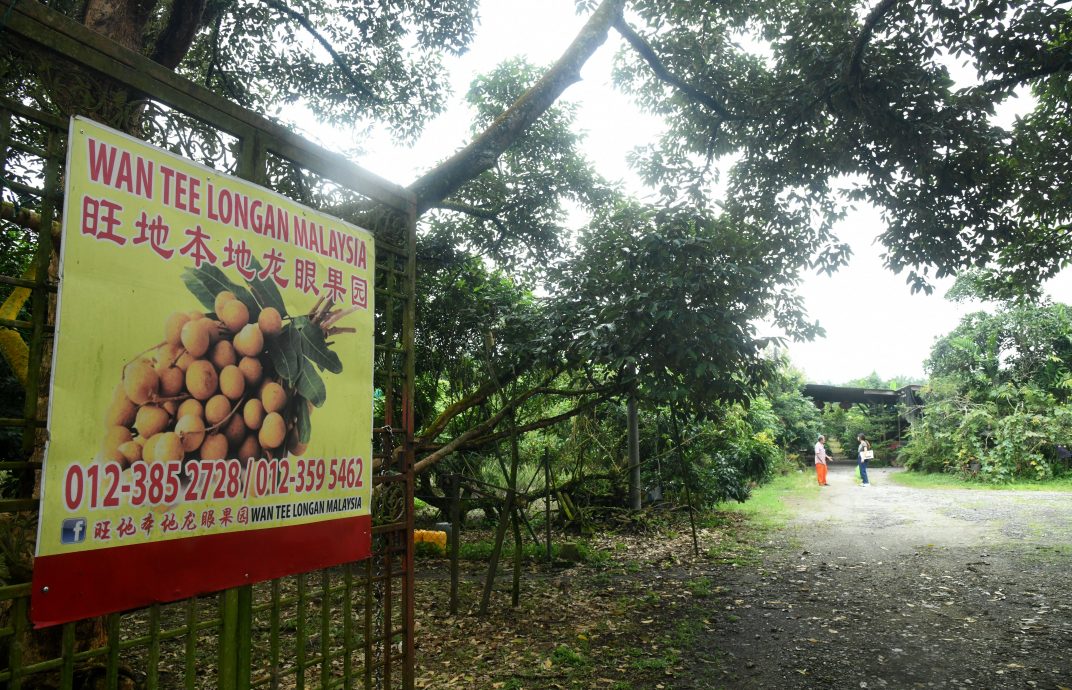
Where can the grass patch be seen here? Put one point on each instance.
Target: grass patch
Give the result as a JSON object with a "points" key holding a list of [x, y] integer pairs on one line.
{"points": [[768, 506], [700, 587], [686, 632], [935, 480], [736, 552], [593, 556], [424, 549], [564, 655], [655, 663]]}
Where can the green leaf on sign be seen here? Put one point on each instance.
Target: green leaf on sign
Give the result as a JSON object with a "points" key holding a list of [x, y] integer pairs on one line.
{"points": [[315, 346], [305, 422], [286, 354], [202, 293], [310, 385], [265, 291], [208, 281]]}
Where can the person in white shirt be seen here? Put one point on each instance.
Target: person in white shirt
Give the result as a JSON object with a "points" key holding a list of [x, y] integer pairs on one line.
{"points": [[820, 461], [861, 460]]}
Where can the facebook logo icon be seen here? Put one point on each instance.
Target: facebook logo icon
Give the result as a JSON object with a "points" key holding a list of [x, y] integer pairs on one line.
{"points": [[74, 531]]}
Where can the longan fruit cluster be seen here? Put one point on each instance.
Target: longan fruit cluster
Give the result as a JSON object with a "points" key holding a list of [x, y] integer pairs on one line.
{"points": [[207, 392]]}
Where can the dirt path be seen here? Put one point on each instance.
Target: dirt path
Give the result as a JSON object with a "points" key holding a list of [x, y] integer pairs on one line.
{"points": [[892, 587]]}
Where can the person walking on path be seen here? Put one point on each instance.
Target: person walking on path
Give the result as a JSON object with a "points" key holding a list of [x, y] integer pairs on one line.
{"points": [[820, 461], [865, 447]]}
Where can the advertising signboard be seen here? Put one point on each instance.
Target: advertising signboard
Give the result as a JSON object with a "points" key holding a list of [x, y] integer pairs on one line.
{"points": [[210, 414]]}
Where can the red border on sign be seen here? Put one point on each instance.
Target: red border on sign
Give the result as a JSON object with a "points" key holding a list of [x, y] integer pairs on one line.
{"points": [[93, 583]]}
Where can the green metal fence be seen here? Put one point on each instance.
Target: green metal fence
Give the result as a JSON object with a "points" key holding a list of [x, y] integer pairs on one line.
{"points": [[349, 626]]}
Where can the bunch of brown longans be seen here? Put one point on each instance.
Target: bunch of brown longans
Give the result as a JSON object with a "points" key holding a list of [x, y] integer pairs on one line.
{"points": [[206, 392]]}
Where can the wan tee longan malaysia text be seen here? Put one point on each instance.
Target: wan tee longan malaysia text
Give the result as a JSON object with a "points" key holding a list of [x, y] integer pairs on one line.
{"points": [[154, 181]]}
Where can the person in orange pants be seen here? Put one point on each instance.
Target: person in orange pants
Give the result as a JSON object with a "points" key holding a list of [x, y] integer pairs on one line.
{"points": [[820, 461]]}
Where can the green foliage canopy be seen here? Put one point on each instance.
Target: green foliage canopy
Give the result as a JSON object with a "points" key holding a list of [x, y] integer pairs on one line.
{"points": [[814, 103], [998, 402], [674, 294]]}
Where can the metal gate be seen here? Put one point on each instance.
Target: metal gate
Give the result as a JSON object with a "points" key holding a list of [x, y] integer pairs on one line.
{"points": [[346, 627]]}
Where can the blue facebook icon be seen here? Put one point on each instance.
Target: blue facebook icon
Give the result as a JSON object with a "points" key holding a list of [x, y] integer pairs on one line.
{"points": [[74, 531]]}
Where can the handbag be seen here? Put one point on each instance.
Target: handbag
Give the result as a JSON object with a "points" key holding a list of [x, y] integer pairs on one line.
{"points": [[867, 455]]}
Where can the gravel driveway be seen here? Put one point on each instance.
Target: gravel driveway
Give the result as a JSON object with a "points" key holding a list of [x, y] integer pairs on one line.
{"points": [[894, 587]]}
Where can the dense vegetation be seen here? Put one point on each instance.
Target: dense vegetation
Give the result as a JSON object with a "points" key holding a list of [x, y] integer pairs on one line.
{"points": [[998, 404]]}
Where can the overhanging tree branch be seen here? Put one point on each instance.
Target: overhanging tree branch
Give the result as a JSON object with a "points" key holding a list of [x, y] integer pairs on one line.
{"points": [[325, 44], [854, 72], [1020, 77], [473, 432], [644, 49], [602, 394], [182, 26], [475, 212], [447, 177], [533, 426], [477, 397], [571, 393], [474, 437]]}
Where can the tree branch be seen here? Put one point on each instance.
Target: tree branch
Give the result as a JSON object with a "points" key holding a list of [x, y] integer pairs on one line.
{"points": [[429, 460], [325, 44], [481, 154], [475, 212], [472, 438], [467, 209], [569, 392], [123, 21], [533, 426], [477, 397], [854, 74], [648, 53], [1021, 77], [182, 26], [456, 443]]}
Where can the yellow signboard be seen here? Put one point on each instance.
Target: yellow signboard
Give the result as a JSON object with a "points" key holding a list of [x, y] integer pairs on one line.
{"points": [[211, 405]]}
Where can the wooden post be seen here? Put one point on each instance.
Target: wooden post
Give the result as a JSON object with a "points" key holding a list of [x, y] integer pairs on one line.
{"points": [[455, 538]]}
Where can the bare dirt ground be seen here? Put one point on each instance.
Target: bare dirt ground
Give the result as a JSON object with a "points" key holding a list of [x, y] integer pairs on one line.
{"points": [[884, 587], [895, 587]]}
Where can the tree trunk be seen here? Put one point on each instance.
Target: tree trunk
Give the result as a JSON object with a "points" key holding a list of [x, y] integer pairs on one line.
{"points": [[686, 474], [496, 551], [635, 498], [455, 538], [123, 21], [515, 590]]}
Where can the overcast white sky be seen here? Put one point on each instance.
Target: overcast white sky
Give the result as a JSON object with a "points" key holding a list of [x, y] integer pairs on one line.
{"points": [[873, 322]]}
